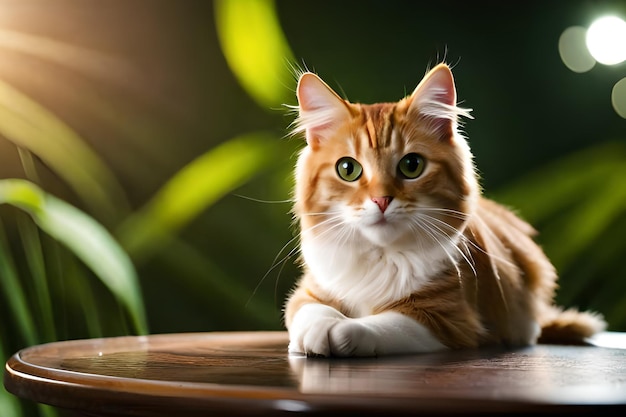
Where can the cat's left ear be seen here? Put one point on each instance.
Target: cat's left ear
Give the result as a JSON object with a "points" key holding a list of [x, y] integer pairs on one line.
{"points": [[434, 100], [321, 110]]}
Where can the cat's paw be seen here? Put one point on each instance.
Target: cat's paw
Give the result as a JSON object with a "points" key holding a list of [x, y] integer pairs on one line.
{"points": [[333, 336], [351, 338], [313, 339], [310, 329]]}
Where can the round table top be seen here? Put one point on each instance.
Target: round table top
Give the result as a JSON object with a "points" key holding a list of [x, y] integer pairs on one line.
{"points": [[244, 373]]}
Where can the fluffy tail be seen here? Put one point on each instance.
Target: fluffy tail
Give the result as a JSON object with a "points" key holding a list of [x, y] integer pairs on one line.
{"points": [[571, 327]]}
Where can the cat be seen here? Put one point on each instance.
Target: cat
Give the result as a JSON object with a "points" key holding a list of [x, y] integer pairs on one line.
{"points": [[400, 251]]}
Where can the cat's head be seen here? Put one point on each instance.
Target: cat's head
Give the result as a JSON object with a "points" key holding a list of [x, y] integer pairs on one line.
{"points": [[390, 172]]}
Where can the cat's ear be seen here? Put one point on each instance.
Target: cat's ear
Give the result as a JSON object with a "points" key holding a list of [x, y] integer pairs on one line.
{"points": [[321, 110], [434, 101]]}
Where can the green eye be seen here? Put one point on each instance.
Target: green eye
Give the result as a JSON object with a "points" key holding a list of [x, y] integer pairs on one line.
{"points": [[411, 166], [348, 169]]}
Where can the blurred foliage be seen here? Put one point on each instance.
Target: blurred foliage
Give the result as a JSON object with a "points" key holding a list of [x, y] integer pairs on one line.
{"points": [[579, 204], [195, 187], [146, 174], [151, 229], [31, 126], [86, 238], [256, 49]]}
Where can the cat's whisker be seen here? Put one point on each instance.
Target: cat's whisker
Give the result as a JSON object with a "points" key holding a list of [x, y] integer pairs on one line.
{"points": [[425, 227], [496, 239], [287, 256], [458, 233], [334, 227], [283, 262], [491, 256], [278, 261], [334, 222], [446, 239], [321, 213], [465, 255], [446, 212], [258, 200], [466, 241]]}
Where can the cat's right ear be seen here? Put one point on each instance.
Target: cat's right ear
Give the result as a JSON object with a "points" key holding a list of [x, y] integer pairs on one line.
{"points": [[321, 110]]}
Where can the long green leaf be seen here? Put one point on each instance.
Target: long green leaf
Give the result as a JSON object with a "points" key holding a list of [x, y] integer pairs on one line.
{"points": [[9, 404], [35, 260], [572, 232], [31, 126], [566, 181], [577, 197], [255, 48], [14, 293], [83, 294], [85, 237], [194, 188]]}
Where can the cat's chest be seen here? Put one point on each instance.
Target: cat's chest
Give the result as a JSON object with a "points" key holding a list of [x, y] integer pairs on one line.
{"points": [[365, 278]]}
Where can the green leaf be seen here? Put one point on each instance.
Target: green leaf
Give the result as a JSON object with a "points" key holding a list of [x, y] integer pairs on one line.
{"points": [[194, 188], [31, 126], [8, 403], [85, 237], [575, 199], [578, 203], [546, 191], [568, 236], [83, 294], [35, 259], [14, 293], [255, 48]]}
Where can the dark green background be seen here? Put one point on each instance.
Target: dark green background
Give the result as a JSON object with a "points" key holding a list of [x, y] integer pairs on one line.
{"points": [[529, 109]]}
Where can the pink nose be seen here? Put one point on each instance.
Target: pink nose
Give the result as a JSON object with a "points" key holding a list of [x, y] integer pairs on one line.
{"points": [[382, 202]]}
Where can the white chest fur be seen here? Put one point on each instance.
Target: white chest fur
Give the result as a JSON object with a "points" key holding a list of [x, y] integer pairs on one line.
{"points": [[364, 276]]}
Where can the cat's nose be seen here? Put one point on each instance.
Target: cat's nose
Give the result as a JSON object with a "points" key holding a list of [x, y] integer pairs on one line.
{"points": [[382, 202]]}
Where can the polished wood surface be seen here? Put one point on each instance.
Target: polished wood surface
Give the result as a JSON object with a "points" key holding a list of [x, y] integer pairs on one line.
{"points": [[250, 373]]}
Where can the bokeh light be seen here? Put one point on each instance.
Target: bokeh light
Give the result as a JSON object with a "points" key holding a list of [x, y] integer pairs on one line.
{"points": [[606, 40], [618, 97], [573, 50]]}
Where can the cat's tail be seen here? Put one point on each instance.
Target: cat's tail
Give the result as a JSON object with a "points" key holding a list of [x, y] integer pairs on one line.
{"points": [[570, 326]]}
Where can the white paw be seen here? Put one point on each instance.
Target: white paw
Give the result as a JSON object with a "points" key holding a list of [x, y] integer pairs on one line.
{"points": [[312, 340], [319, 330], [351, 338], [334, 337], [308, 333]]}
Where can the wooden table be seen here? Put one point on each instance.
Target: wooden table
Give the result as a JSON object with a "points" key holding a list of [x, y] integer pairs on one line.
{"points": [[250, 373]]}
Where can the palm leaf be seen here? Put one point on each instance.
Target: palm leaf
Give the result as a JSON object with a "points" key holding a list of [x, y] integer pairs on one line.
{"points": [[255, 48], [579, 205], [575, 199], [35, 259], [33, 127], [9, 404], [566, 181], [85, 237], [194, 188], [14, 293]]}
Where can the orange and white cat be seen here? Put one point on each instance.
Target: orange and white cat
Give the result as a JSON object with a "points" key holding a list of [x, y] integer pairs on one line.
{"points": [[401, 253]]}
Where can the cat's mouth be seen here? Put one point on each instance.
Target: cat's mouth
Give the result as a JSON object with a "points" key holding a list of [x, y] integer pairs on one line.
{"points": [[381, 221]]}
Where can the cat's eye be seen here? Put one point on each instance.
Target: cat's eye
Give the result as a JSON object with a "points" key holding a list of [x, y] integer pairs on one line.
{"points": [[348, 169], [411, 166]]}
